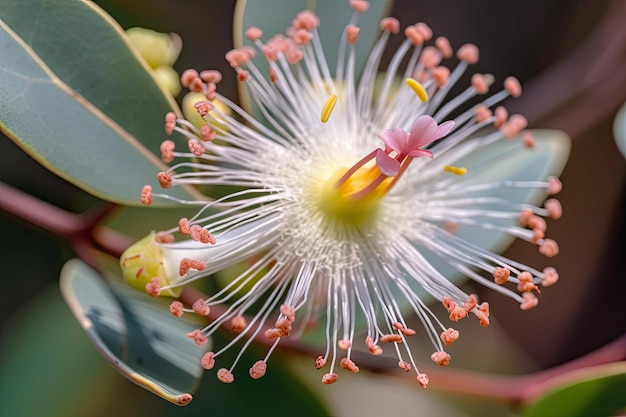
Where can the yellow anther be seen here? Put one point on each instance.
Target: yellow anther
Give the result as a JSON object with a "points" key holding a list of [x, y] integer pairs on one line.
{"points": [[455, 170], [328, 107], [418, 89]]}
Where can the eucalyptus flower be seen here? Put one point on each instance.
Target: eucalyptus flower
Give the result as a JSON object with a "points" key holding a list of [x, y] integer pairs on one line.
{"points": [[347, 196]]}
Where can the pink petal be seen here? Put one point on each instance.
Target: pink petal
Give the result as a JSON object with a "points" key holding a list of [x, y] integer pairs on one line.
{"points": [[387, 165], [421, 152], [443, 129], [423, 132], [395, 139]]}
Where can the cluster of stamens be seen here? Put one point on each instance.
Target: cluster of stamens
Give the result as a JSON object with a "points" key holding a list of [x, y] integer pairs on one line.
{"points": [[349, 195]]}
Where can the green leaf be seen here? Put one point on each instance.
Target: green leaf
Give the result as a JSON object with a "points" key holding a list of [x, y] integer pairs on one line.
{"points": [[592, 392], [333, 19], [136, 334], [78, 99]]}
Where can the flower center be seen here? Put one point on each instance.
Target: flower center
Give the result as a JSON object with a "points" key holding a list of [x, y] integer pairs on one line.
{"points": [[353, 199]]}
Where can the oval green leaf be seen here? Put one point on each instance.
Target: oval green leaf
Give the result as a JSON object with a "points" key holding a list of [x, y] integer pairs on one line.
{"points": [[136, 334], [592, 392], [77, 98]]}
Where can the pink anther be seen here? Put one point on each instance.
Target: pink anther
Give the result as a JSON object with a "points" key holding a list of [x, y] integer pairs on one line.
{"points": [[211, 76], [443, 44], [550, 277], [441, 358], [373, 348], [288, 312], [306, 19], [554, 185], [525, 282], [525, 216], [530, 301], [479, 82], [254, 33], [177, 309], [301, 37], [468, 53], [146, 195], [512, 85], [170, 123], [483, 318], [555, 211], [153, 288], [448, 303], [208, 360], [414, 35], [482, 113], [184, 266], [501, 115], [165, 179], [183, 226], [501, 275], [430, 57], [196, 85], [458, 313], [549, 248], [188, 76], [536, 222], [203, 108], [320, 362], [198, 337], [284, 326], [404, 365], [424, 30], [225, 376], [360, 6], [422, 379], [352, 34], [390, 24], [449, 336], [329, 378], [206, 133], [391, 338], [404, 330], [238, 324], [258, 369], [471, 303], [200, 308], [243, 75], [164, 237], [167, 151], [344, 344], [274, 333], [195, 147], [538, 234], [349, 365], [440, 75]]}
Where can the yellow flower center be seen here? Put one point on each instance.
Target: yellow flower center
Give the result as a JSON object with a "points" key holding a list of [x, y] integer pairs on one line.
{"points": [[353, 200]]}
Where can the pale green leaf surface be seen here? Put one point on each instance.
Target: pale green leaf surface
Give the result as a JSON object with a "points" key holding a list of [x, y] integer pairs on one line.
{"points": [[593, 392], [77, 99], [136, 334]]}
